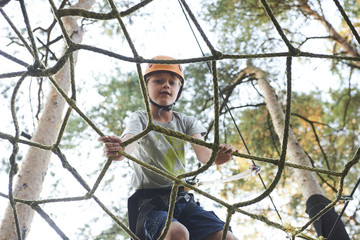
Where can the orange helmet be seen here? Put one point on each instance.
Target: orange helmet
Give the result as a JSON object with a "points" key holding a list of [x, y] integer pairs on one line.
{"points": [[174, 68]]}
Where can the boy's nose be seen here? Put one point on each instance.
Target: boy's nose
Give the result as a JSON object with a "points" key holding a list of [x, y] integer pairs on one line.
{"points": [[166, 84]]}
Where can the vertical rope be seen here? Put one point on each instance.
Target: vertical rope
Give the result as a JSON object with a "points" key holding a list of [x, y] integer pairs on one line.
{"points": [[212, 70], [40, 70]]}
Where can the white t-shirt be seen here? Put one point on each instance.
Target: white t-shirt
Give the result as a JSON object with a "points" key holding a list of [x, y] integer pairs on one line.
{"points": [[164, 152]]}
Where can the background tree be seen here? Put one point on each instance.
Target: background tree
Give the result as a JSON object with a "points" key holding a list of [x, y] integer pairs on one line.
{"points": [[236, 26], [324, 122], [308, 183], [310, 111], [34, 167]]}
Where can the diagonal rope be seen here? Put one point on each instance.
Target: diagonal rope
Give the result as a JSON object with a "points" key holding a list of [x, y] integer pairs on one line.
{"points": [[229, 111], [39, 70], [343, 210]]}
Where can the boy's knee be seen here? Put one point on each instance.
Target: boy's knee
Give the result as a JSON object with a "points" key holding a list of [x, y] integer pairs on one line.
{"points": [[177, 231], [231, 236], [218, 235]]}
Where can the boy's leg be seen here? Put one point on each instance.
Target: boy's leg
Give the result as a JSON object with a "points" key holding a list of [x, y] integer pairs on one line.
{"points": [[200, 223], [217, 235], [155, 223], [177, 231]]}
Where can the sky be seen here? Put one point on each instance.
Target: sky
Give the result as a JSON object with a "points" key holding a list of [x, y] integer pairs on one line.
{"points": [[173, 38]]}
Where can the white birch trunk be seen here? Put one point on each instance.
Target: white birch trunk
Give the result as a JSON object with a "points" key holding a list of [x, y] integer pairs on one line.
{"points": [[307, 180], [32, 172], [348, 48]]}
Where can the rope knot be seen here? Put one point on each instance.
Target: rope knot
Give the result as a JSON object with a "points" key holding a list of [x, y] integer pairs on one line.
{"points": [[218, 55], [295, 52]]}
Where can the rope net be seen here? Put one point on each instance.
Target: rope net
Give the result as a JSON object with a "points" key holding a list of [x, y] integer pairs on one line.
{"points": [[39, 69]]}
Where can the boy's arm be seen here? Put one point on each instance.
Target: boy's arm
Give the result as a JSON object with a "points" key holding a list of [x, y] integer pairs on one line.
{"points": [[112, 146], [203, 153]]}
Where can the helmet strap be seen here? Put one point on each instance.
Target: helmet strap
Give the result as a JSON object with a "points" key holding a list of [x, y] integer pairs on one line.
{"points": [[161, 108]]}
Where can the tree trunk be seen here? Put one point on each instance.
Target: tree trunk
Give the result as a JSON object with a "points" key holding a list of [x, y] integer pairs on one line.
{"points": [[348, 48], [32, 172], [308, 183], [306, 179]]}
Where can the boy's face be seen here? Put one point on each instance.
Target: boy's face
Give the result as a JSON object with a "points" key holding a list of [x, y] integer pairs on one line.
{"points": [[163, 87]]}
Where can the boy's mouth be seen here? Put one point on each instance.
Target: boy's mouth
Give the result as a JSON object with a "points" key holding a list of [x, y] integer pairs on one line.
{"points": [[166, 93]]}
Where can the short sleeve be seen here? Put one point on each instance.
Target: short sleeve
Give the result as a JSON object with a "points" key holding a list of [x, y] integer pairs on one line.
{"points": [[135, 125], [193, 126]]}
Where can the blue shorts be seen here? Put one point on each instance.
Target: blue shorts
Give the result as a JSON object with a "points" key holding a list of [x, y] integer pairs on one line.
{"points": [[199, 222]]}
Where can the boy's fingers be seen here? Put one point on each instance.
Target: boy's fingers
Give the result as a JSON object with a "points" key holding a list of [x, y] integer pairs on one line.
{"points": [[115, 139], [103, 139], [232, 148], [228, 151], [226, 148], [111, 152], [111, 146], [110, 139]]}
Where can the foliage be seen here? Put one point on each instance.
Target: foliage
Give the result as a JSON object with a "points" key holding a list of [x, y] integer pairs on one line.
{"points": [[119, 96], [245, 23], [326, 126], [318, 122]]}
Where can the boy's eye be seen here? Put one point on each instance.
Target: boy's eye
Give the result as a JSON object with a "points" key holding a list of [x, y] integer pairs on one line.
{"points": [[159, 81], [171, 82]]}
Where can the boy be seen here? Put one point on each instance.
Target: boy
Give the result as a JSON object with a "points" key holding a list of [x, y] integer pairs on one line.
{"points": [[148, 206]]}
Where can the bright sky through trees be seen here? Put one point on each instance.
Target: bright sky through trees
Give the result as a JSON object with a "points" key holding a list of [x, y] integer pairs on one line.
{"points": [[166, 29]]}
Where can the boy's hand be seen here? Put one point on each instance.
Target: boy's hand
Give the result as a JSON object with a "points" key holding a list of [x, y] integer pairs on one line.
{"points": [[112, 146], [224, 154]]}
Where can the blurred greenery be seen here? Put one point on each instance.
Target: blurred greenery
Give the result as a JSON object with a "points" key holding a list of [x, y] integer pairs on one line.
{"points": [[326, 122]]}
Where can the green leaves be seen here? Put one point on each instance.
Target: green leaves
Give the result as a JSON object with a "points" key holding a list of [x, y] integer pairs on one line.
{"points": [[119, 96]]}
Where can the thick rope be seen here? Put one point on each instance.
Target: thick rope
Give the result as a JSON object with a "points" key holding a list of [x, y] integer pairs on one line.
{"points": [[39, 70]]}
